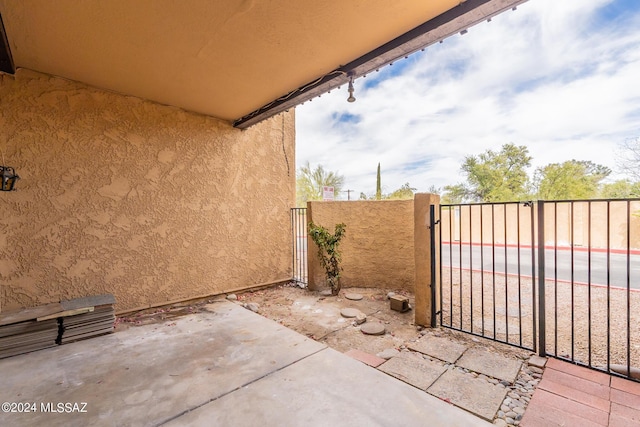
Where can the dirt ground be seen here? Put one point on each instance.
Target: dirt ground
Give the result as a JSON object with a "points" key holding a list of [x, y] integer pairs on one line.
{"points": [[318, 317]]}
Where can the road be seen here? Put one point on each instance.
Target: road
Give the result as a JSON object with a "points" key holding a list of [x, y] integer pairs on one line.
{"points": [[482, 257]]}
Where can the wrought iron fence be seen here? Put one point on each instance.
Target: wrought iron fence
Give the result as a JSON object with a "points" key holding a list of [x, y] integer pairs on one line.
{"points": [[558, 277], [299, 245], [487, 276]]}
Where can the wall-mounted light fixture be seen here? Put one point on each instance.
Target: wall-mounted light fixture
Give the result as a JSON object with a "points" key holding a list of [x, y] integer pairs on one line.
{"points": [[351, 98], [9, 178]]}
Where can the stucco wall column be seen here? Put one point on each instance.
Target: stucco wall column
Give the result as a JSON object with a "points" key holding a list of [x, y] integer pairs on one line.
{"points": [[422, 253]]}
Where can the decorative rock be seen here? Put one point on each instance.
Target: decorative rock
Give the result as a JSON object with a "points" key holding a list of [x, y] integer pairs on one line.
{"points": [[353, 297], [518, 410], [232, 297], [390, 294], [252, 306], [361, 318], [535, 370], [509, 420], [374, 328], [388, 353], [500, 423], [326, 293], [350, 312]]}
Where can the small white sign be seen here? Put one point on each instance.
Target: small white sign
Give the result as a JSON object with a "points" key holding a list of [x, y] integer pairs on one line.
{"points": [[327, 193]]}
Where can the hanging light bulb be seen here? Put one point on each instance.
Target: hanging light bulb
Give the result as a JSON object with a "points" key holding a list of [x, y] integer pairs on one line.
{"points": [[351, 98]]}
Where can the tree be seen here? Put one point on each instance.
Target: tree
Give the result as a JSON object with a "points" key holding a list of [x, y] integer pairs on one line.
{"points": [[493, 176], [572, 179], [628, 158], [621, 189], [404, 192], [309, 183]]}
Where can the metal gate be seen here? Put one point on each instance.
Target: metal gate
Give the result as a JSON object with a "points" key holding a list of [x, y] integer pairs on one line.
{"points": [[299, 245], [561, 278], [487, 272]]}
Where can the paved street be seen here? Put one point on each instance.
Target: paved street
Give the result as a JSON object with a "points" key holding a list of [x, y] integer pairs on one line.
{"points": [[491, 259]]}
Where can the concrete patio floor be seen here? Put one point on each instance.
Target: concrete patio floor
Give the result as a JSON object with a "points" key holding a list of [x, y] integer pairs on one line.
{"points": [[224, 366]]}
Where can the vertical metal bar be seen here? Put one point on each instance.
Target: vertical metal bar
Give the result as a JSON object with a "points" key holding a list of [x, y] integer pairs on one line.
{"points": [[628, 288], [305, 249], [493, 266], [571, 221], [589, 279], [471, 264], [293, 251], [608, 285], [519, 277], [299, 233], [432, 236], [450, 267], [541, 303], [440, 282], [534, 301], [482, 269], [460, 259], [555, 278], [301, 221], [506, 275]]}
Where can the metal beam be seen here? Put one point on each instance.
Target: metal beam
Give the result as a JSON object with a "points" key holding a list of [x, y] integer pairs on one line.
{"points": [[461, 17]]}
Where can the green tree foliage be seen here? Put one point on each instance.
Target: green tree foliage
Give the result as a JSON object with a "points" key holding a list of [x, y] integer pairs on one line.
{"points": [[622, 189], [572, 179], [309, 183], [404, 192], [493, 176]]}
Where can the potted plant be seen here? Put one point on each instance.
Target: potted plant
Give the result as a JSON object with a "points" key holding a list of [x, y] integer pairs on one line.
{"points": [[328, 252]]}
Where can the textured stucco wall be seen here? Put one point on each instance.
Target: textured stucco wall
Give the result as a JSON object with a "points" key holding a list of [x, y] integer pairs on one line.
{"points": [[146, 201], [378, 249]]}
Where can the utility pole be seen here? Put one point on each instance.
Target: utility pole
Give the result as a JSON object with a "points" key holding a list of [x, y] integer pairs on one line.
{"points": [[349, 194]]}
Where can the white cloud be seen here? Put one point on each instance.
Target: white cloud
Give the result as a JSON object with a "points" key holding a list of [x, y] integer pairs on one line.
{"points": [[554, 76]]}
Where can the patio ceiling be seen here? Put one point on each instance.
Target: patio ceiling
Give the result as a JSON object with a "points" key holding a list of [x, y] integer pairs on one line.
{"points": [[238, 60]]}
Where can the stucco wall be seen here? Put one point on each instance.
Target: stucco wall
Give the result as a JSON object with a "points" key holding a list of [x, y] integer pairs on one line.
{"points": [[146, 201], [378, 249]]}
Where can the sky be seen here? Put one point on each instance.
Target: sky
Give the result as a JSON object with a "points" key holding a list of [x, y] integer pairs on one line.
{"points": [[560, 77]]}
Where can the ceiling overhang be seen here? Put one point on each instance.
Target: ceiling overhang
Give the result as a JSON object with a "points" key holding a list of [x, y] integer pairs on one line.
{"points": [[238, 60], [454, 21]]}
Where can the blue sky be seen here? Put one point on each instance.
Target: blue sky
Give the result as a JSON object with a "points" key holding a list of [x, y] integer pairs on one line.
{"points": [[561, 77]]}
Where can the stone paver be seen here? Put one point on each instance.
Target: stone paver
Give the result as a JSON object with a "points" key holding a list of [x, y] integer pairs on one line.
{"points": [[413, 369], [373, 328], [440, 348], [350, 312], [491, 364], [388, 353], [537, 361], [353, 296], [473, 394], [366, 358]]}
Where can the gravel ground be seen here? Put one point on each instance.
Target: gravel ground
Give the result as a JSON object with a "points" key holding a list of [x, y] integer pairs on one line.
{"points": [[592, 340]]}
